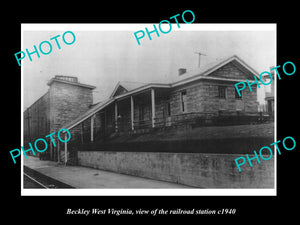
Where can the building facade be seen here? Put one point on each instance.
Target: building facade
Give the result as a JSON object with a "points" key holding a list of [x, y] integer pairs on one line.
{"points": [[65, 100], [139, 107]]}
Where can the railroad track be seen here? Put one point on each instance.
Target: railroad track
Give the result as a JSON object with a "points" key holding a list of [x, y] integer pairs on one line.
{"points": [[30, 182], [35, 179]]}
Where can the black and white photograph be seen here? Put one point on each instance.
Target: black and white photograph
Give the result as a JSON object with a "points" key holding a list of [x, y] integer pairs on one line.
{"points": [[152, 112], [160, 115]]}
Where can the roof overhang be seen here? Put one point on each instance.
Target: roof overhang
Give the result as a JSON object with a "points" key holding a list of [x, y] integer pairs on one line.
{"points": [[94, 110], [205, 74], [142, 89], [88, 114], [201, 76], [206, 78], [71, 83]]}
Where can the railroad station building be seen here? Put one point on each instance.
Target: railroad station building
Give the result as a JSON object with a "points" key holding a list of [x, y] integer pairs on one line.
{"points": [[193, 97], [64, 101]]}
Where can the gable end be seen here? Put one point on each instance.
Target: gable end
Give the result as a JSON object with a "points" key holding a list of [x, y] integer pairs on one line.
{"points": [[120, 90], [232, 70]]}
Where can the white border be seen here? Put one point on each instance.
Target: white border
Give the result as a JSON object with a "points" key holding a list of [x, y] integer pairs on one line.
{"points": [[149, 192], [138, 26]]}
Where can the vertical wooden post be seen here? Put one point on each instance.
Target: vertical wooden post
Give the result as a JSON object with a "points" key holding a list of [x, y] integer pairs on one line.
{"points": [[66, 150], [153, 106], [132, 112], [58, 151], [92, 127], [116, 117], [81, 132], [51, 150]]}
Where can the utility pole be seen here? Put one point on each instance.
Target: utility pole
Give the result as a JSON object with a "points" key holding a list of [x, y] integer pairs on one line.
{"points": [[199, 53]]}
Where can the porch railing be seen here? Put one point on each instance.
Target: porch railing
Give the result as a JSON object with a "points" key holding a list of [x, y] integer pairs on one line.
{"points": [[142, 124], [179, 120], [200, 119], [174, 120]]}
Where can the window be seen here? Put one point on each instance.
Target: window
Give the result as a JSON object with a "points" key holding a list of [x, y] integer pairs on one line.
{"points": [[183, 101], [222, 91], [168, 109], [237, 96]]}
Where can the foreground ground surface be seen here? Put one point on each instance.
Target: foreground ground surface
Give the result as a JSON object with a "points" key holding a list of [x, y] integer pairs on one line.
{"points": [[83, 177]]}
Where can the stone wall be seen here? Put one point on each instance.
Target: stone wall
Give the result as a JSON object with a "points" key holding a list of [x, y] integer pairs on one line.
{"points": [[230, 70], [67, 101], [36, 120], [192, 169], [204, 97]]}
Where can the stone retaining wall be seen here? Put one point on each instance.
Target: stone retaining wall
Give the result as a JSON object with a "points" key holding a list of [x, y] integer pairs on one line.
{"points": [[193, 169]]}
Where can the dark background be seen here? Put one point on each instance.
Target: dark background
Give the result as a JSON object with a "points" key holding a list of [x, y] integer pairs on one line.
{"points": [[51, 209]]}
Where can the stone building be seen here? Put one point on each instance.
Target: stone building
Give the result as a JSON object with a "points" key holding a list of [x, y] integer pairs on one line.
{"points": [[134, 107], [64, 101], [139, 107]]}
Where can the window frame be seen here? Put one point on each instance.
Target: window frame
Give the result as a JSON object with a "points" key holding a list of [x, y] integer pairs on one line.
{"points": [[183, 102], [220, 87]]}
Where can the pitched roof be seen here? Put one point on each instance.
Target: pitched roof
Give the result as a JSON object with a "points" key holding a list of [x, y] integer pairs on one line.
{"points": [[207, 69], [134, 87], [127, 85], [83, 116]]}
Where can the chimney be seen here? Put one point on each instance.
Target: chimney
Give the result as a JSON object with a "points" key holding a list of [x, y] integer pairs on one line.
{"points": [[67, 78], [181, 71]]}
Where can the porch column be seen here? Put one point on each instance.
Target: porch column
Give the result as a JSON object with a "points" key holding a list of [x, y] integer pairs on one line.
{"points": [[58, 152], [81, 132], [66, 150], [116, 117], [132, 112], [153, 106], [51, 150], [92, 127]]}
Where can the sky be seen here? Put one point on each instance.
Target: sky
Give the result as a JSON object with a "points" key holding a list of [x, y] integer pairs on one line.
{"points": [[104, 54]]}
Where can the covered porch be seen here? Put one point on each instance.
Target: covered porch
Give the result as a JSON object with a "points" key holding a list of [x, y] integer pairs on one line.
{"points": [[127, 113], [143, 110]]}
